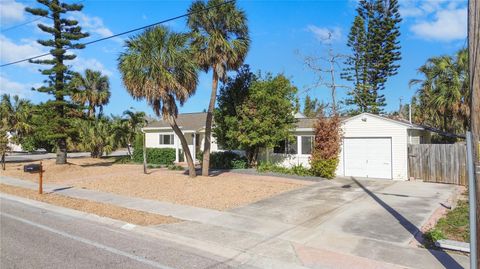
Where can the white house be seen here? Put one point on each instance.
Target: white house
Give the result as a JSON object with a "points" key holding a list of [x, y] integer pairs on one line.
{"points": [[373, 146]]}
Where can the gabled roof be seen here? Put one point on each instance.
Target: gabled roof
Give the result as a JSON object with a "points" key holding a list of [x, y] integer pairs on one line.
{"points": [[186, 121], [399, 122], [196, 122]]}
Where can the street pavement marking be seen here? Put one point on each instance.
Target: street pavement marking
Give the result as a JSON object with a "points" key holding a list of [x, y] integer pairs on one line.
{"points": [[89, 242]]}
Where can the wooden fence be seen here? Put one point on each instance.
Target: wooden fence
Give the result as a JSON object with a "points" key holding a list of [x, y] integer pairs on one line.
{"points": [[441, 163]]}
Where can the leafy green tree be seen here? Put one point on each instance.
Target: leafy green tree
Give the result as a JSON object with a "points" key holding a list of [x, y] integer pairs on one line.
{"points": [[64, 32], [375, 48], [232, 95], [15, 115], [41, 136], [312, 107], [220, 43], [443, 98], [157, 66], [264, 115], [92, 89]]}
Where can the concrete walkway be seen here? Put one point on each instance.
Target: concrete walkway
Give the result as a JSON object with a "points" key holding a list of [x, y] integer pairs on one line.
{"points": [[344, 223]]}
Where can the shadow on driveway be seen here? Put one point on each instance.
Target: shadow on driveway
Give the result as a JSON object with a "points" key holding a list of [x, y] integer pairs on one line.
{"points": [[444, 258]]}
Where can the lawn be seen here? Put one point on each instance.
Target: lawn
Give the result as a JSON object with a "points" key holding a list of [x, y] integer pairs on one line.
{"points": [[223, 191], [454, 225]]}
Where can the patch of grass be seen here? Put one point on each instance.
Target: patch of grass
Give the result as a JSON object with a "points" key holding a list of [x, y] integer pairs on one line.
{"points": [[453, 226], [122, 159], [175, 167]]}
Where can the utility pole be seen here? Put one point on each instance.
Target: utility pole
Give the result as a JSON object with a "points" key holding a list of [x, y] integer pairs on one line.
{"points": [[474, 69]]}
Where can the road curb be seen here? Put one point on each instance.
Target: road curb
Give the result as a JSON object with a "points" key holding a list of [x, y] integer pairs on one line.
{"points": [[230, 255]]}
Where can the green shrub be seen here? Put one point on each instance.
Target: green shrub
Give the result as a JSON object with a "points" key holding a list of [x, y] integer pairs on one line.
{"points": [[298, 170], [164, 156], [227, 160], [175, 167], [324, 168]]}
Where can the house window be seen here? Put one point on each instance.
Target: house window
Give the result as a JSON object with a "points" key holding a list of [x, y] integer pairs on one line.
{"points": [[286, 146], [307, 144], [166, 139]]}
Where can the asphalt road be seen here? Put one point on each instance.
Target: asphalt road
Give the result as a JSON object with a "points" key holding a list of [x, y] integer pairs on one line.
{"points": [[31, 237]]}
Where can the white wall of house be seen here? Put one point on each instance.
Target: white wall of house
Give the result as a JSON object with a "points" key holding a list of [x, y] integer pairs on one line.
{"points": [[289, 160], [368, 128]]}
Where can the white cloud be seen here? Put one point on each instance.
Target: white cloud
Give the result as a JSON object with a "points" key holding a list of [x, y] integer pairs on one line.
{"points": [[79, 64], [11, 51], [324, 34], [11, 11], [15, 88], [447, 25], [437, 20], [94, 25]]}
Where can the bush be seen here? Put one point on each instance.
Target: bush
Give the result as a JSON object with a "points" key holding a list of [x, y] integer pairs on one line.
{"points": [[324, 168], [163, 156], [175, 167], [298, 170], [227, 160]]}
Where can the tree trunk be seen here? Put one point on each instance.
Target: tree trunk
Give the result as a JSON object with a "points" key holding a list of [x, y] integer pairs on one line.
{"points": [[186, 150], [3, 161], [61, 151], [208, 126], [59, 88]]}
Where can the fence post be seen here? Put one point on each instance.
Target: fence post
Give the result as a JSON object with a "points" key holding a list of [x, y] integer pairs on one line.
{"points": [[472, 203]]}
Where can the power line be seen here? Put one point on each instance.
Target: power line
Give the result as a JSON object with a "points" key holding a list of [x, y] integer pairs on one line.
{"points": [[126, 32], [28, 22], [19, 25]]}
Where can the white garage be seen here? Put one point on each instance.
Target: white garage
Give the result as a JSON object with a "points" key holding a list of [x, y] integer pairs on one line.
{"points": [[368, 157], [377, 147]]}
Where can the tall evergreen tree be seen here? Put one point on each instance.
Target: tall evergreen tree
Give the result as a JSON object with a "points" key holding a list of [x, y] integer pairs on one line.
{"points": [[375, 48], [313, 108], [64, 33]]}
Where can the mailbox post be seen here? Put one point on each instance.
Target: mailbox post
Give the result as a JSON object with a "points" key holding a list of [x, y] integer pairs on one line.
{"points": [[36, 168]]}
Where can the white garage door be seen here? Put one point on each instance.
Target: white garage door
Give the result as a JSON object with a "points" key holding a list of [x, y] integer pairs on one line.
{"points": [[368, 157]]}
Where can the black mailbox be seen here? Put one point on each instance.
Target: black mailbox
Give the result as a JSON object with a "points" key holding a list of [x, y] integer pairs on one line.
{"points": [[32, 168]]}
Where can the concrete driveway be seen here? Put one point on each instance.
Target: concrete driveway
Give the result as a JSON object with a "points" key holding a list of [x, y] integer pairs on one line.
{"points": [[343, 223]]}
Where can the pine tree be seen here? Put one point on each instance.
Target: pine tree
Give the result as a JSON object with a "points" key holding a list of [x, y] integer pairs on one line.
{"points": [[64, 32], [313, 108], [375, 48]]}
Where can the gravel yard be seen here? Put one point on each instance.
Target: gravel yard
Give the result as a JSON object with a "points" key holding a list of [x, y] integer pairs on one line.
{"points": [[100, 209], [221, 192]]}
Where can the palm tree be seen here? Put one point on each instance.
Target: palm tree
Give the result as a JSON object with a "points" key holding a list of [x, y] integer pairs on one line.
{"points": [[443, 94], [93, 89], [15, 115], [98, 135], [220, 41], [157, 66], [134, 122]]}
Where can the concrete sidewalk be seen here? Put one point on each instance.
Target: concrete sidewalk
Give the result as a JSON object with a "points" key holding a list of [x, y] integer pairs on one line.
{"points": [[343, 223]]}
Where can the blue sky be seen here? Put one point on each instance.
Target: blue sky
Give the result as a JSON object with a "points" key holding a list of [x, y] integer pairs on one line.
{"points": [[282, 34]]}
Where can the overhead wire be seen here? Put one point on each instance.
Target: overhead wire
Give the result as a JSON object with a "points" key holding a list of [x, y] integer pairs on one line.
{"points": [[125, 32]]}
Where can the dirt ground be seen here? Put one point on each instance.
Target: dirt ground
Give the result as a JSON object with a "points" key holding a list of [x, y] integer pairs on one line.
{"points": [[101, 209], [221, 192]]}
